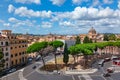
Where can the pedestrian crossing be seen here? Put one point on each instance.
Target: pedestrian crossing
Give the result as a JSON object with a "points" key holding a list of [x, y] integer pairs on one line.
{"points": [[88, 77]]}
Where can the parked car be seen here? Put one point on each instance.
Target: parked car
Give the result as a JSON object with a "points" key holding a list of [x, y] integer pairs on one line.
{"points": [[37, 58], [107, 59], [110, 70], [33, 67], [114, 58], [12, 70], [101, 61], [106, 75]]}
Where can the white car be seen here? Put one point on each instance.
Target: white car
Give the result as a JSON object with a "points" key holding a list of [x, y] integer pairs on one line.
{"points": [[101, 62]]}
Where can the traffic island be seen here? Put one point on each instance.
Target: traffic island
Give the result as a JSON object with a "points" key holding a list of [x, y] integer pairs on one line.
{"points": [[71, 68]]}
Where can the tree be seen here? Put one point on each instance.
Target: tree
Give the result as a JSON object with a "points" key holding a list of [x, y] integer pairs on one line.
{"points": [[87, 40], [90, 40], [90, 48], [66, 55], [39, 48], [112, 37], [55, 45], [77, 40], [106, 37]]}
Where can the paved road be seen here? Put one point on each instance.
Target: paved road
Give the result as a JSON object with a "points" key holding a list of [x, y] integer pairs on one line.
{"points": [[28, 70], [12, 76], [28, 73], [38, 76]]}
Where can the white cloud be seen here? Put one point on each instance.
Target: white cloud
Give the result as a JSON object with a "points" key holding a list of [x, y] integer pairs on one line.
{"points": [[95, 3], [28, 1], [18, 23], [11, 8], [80, 17], [108, 1], [6, 24], [57, 2], [25, 12], [66, 23], [1, 21], [84, 13], [119, 4], [46, 25], [13, 20], [79, 1]]}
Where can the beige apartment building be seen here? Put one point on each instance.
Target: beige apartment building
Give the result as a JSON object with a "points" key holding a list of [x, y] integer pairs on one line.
{"points": [[5, 48], [17, 48]]}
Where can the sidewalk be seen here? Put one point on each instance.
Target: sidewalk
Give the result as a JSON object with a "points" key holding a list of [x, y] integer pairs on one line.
{"points": [[86, 71]]}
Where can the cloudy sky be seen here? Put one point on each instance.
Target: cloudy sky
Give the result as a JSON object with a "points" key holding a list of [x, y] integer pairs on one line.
{"points": [[60, 16]]}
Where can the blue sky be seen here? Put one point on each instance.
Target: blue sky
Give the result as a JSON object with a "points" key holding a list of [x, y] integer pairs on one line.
{"points": [[60, 16]]}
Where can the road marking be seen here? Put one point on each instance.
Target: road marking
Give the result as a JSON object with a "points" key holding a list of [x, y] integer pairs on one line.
{"points": [[30, 73], [87, 77], [21, 76], [95, 75], [73, 77], [79, 77], [103, 77], [21, 69]]}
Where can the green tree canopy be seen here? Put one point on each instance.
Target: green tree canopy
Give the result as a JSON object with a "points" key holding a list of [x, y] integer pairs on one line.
{"points": [[57, 44], [36, 47], [87, 49], [78, 41], [112, 37], [106, 37], [87, 40]]}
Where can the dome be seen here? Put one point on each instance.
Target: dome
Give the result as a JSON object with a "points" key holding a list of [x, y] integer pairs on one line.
{"points": [[92, 31]]}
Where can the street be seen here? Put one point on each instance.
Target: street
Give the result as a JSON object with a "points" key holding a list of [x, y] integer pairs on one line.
{"points": [[28, 73]]}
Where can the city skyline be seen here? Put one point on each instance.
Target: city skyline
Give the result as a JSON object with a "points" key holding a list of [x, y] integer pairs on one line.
{"points": [[54, 16]]}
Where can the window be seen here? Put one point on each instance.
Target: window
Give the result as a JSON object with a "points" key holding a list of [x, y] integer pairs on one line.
{"points": [[23, 53], [23, 46], [16, 54], [11, 55], [12, 62], [16, 61], [15, 47], [11, 37], [6, 43], [6, 49], [6, 54], [19, 46], [6, 64], [19, 53], [20, 60], [2, 49], [6, 59], [1, 43], [11, 47]]}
